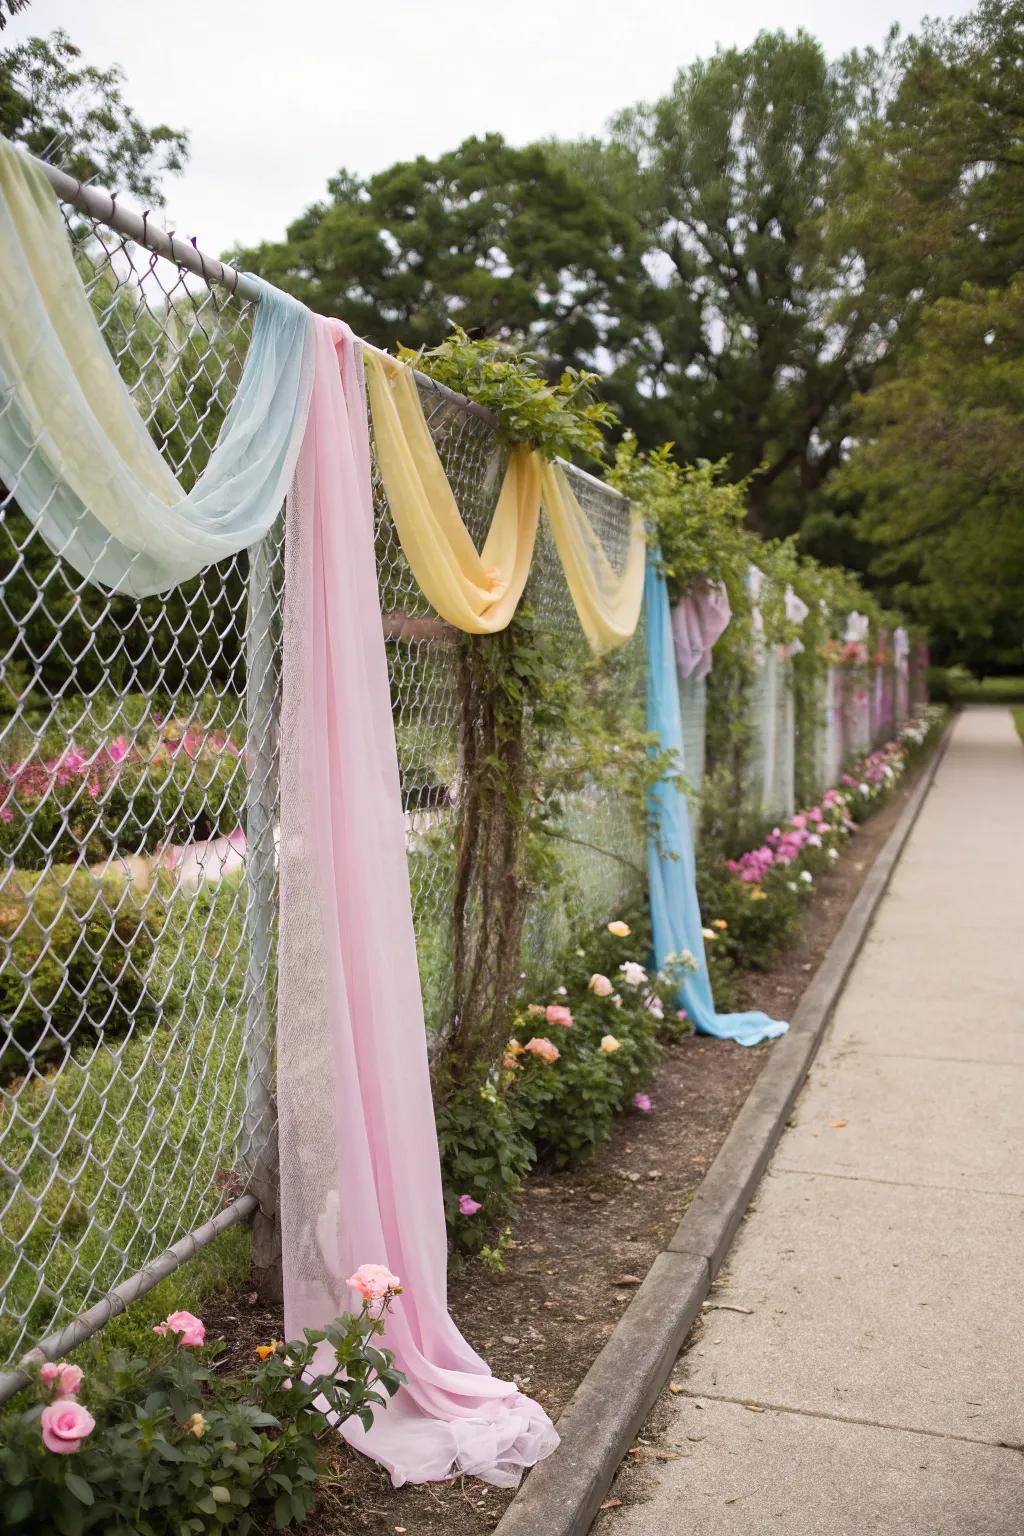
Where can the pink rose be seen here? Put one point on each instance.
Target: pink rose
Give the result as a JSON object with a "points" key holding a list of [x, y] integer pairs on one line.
{"points": [[468, 1206], [190, 1330], [557, 1013], [373, 1281], [642, 1103], [70, 1379], [65, 1424], [599, 985], [49, 1373], [544, 1049]]}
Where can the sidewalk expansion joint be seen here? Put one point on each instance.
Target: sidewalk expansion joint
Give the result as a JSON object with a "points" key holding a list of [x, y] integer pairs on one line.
{"points": [[755, 1404], [867, 1178]]}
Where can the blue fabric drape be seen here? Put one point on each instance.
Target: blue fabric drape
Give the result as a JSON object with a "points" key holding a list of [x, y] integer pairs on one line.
{"points": [[675, 915]]}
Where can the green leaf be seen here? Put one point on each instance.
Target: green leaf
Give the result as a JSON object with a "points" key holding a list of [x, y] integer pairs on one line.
{"points": [[79, 1487], [19, 1506]]}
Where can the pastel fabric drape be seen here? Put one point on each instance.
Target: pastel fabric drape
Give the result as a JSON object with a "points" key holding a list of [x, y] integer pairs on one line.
{"points": [[675, 913], [359, 1161], [479, 592], [608, 603], [698, 621], [73, 444]]}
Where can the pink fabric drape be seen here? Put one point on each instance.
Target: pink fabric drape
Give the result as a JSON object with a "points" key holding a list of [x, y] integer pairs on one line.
{"points": [[360, 1179], [697, 622]]}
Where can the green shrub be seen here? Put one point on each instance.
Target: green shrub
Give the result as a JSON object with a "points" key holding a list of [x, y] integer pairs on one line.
{"points": [[759, 926], [485, 1154], [85, 789], [529, 1108], [172, 1446], [78, 955]]}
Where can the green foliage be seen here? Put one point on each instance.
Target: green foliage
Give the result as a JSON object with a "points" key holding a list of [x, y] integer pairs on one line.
{"points": [[82, 1131], [758, 929], [509, 243], [492, 1130], [562, 419], [171, 785], [78, 961], [47, 97], [1018, 720], [932, 196], [736, 355], [694, 515], [940, 470], [955, 685], [10, 9], [486, 1154], [182, 1449]]}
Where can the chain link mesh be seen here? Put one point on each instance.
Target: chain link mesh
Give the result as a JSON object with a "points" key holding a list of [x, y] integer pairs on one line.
{"points": [[138, 793]]}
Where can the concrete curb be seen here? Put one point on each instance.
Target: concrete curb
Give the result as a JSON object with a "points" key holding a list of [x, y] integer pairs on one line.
{"points": [[563, 1494]]}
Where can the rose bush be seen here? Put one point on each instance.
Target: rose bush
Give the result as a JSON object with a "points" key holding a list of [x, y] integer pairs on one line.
{"points": [[173, 1446]]}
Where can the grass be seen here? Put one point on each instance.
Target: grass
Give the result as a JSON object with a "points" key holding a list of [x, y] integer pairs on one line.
{"points": [[1018, 719], [960, 688], [130, 1143]]}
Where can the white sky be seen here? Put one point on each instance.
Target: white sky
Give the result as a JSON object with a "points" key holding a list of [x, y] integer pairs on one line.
{"points": [[278, 94]]}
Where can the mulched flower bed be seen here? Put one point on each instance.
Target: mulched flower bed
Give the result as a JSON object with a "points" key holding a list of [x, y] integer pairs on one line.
{"points": [[583, 1239]]}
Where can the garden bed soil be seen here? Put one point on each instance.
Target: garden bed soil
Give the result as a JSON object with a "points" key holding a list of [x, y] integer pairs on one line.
{"points": [[583, 1239]]}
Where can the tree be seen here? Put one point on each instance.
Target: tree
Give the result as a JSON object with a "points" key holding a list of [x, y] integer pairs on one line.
{"points": [[507, 243], [9, 9], [76, 115], [940, 472], [934, 193], [736, 350], [934, 204]]}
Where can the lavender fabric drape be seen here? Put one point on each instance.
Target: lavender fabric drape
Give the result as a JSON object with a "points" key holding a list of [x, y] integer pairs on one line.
{"points": [[697, 622], [360, 1176]]}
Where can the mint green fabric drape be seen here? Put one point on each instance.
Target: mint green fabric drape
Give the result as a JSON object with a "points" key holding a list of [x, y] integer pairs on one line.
{"points": [[76, 450]]}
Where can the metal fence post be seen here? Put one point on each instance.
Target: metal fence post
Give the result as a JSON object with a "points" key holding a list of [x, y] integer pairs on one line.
{"points": [[258, 1150]]}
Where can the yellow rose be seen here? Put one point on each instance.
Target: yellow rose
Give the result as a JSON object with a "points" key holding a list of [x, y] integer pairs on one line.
{"points": [[620, 929], [609, 1045]]}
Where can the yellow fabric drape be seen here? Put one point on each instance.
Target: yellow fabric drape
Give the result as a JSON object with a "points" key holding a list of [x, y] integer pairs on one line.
{"points": [[479, 593], [608, 603]]}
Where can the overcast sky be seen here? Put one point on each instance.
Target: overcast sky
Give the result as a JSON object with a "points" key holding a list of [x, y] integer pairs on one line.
{"points": [[277, 94]]}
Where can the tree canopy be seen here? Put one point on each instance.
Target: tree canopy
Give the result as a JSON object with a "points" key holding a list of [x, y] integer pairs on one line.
{"points": [[506, 243], [941, 472], [76, 115], [799, 270]]}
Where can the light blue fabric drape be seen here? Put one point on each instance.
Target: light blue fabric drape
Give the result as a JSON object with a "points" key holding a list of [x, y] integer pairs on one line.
{"points": [[675, 915], [73, 445]]}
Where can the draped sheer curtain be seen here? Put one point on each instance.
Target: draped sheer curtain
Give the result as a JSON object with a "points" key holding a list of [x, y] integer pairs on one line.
{"points": [[675, 911], [359, 1164], [89, 475]]}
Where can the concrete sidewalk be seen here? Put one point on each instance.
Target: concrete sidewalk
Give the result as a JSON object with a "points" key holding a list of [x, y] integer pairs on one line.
{"points": [[873, 1377]]}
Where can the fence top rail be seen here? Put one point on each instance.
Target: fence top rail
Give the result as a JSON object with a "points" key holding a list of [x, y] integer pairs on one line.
{"points": [[103, 206]]}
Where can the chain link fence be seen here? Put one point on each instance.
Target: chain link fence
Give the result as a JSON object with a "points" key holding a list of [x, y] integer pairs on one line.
{"points": [[138, 794]]}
